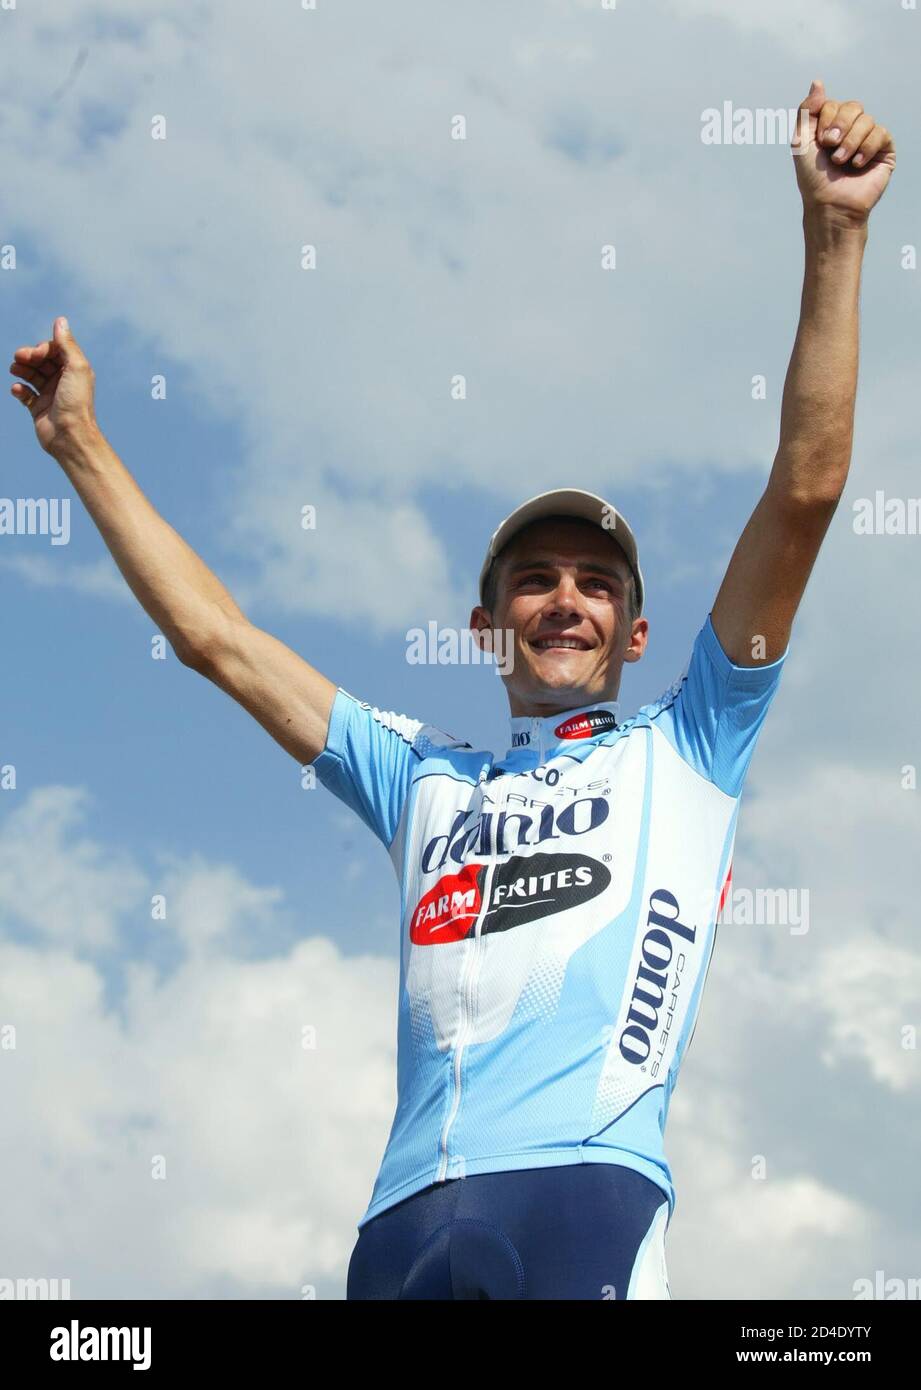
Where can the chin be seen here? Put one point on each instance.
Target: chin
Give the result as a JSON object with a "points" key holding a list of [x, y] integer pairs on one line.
{"points": [[558, 677]]}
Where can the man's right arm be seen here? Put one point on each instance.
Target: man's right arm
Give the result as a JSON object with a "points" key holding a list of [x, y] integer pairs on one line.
{"points": [[190, 606]]}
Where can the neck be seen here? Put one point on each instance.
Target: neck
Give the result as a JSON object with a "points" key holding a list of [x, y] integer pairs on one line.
{"points": [[538, 708]]}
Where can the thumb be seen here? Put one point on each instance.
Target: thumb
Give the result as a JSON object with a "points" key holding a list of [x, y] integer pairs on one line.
{"points": [[65, 341], [811, 106], [815, 97]]}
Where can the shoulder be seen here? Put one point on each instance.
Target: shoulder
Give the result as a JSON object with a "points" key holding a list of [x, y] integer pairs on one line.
{"points": [[706, 660], [421, 738]]}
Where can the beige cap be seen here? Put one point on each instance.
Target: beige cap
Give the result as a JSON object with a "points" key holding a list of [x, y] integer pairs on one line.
{"points": [[568, 502]]}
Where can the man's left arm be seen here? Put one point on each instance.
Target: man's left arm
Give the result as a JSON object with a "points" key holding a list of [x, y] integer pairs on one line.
{"points": [[843, 161]]}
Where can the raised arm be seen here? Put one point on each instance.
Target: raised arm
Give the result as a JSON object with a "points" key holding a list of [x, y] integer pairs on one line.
{"points": [[843, 163], [188, 603]]}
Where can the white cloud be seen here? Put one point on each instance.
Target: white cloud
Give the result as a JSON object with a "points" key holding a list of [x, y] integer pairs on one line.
{"points": [[270, 1148], [785, 1234], [100, 578], [207, 904], [873, 994], [823, 26], [788, 1213], [56, 880]]}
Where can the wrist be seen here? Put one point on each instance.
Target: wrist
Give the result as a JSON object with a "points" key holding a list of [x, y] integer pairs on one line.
{"points": [[77, 443], [829, 226]]}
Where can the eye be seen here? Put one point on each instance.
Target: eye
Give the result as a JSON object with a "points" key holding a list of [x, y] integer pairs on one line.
{"points": [[598, 584]]}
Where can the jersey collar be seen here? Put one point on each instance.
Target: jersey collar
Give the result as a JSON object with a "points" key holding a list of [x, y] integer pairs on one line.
{"points": [[568, 730]]}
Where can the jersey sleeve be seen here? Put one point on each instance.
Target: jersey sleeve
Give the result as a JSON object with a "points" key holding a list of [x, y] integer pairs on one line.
{"points": [[716, 710], [369, 759]]}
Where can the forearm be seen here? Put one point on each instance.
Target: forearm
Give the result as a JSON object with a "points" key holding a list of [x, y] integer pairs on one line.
{"points": [[817, 415], [178, 590]]}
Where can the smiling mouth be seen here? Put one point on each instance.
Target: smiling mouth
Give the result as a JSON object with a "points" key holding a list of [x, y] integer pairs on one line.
{"points": [[549, 644]]}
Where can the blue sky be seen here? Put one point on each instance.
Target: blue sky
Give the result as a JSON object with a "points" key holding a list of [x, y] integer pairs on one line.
{"points": [[135, 777]]}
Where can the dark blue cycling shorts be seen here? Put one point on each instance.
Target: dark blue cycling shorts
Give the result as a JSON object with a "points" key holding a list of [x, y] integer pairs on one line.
{"points": [[583, 1231]]}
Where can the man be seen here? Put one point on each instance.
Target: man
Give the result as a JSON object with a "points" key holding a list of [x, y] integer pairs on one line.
{"points": [[558, 904]]}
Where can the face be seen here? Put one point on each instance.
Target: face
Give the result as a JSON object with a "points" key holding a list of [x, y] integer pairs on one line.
{"points": [[563, 593]]}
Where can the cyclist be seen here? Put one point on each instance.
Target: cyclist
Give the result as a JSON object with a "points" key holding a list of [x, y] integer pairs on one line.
{"points": [[559, 903]]}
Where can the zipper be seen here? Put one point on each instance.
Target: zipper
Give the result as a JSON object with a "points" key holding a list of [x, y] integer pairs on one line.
{"points": [[469, 981]]}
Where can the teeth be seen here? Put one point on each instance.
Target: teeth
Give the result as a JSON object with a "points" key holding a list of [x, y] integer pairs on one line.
{"points": [[546, 642]]}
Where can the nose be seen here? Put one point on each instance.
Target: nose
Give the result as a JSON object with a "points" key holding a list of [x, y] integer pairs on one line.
{"points": [[564, 601]]}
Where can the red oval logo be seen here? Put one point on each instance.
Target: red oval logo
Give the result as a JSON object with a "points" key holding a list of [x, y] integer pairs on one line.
{"points": [[449, 910], [597, 721]]}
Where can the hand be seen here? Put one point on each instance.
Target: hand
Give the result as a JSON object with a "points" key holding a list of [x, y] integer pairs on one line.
{"points": [[846, 172], [61, 405]]}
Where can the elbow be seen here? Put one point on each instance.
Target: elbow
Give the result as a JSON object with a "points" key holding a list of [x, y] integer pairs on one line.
{"points": [[814, 504], [207, 649], [191, 654], [819, 497], [811, 479], [195, 651]]}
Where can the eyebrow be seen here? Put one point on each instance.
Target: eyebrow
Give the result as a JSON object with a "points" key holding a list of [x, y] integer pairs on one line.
{"points": [[517, 566]]}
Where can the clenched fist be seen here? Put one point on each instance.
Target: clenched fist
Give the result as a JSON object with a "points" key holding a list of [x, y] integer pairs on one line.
{"points": [[61, 405], [843, 159]]}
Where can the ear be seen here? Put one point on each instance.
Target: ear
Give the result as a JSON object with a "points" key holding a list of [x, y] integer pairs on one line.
{"points": [[638, 639], [481, 626]]}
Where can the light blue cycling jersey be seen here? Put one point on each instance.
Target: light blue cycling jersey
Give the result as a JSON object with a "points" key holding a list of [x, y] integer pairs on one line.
{"points": [[558, 912]]}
